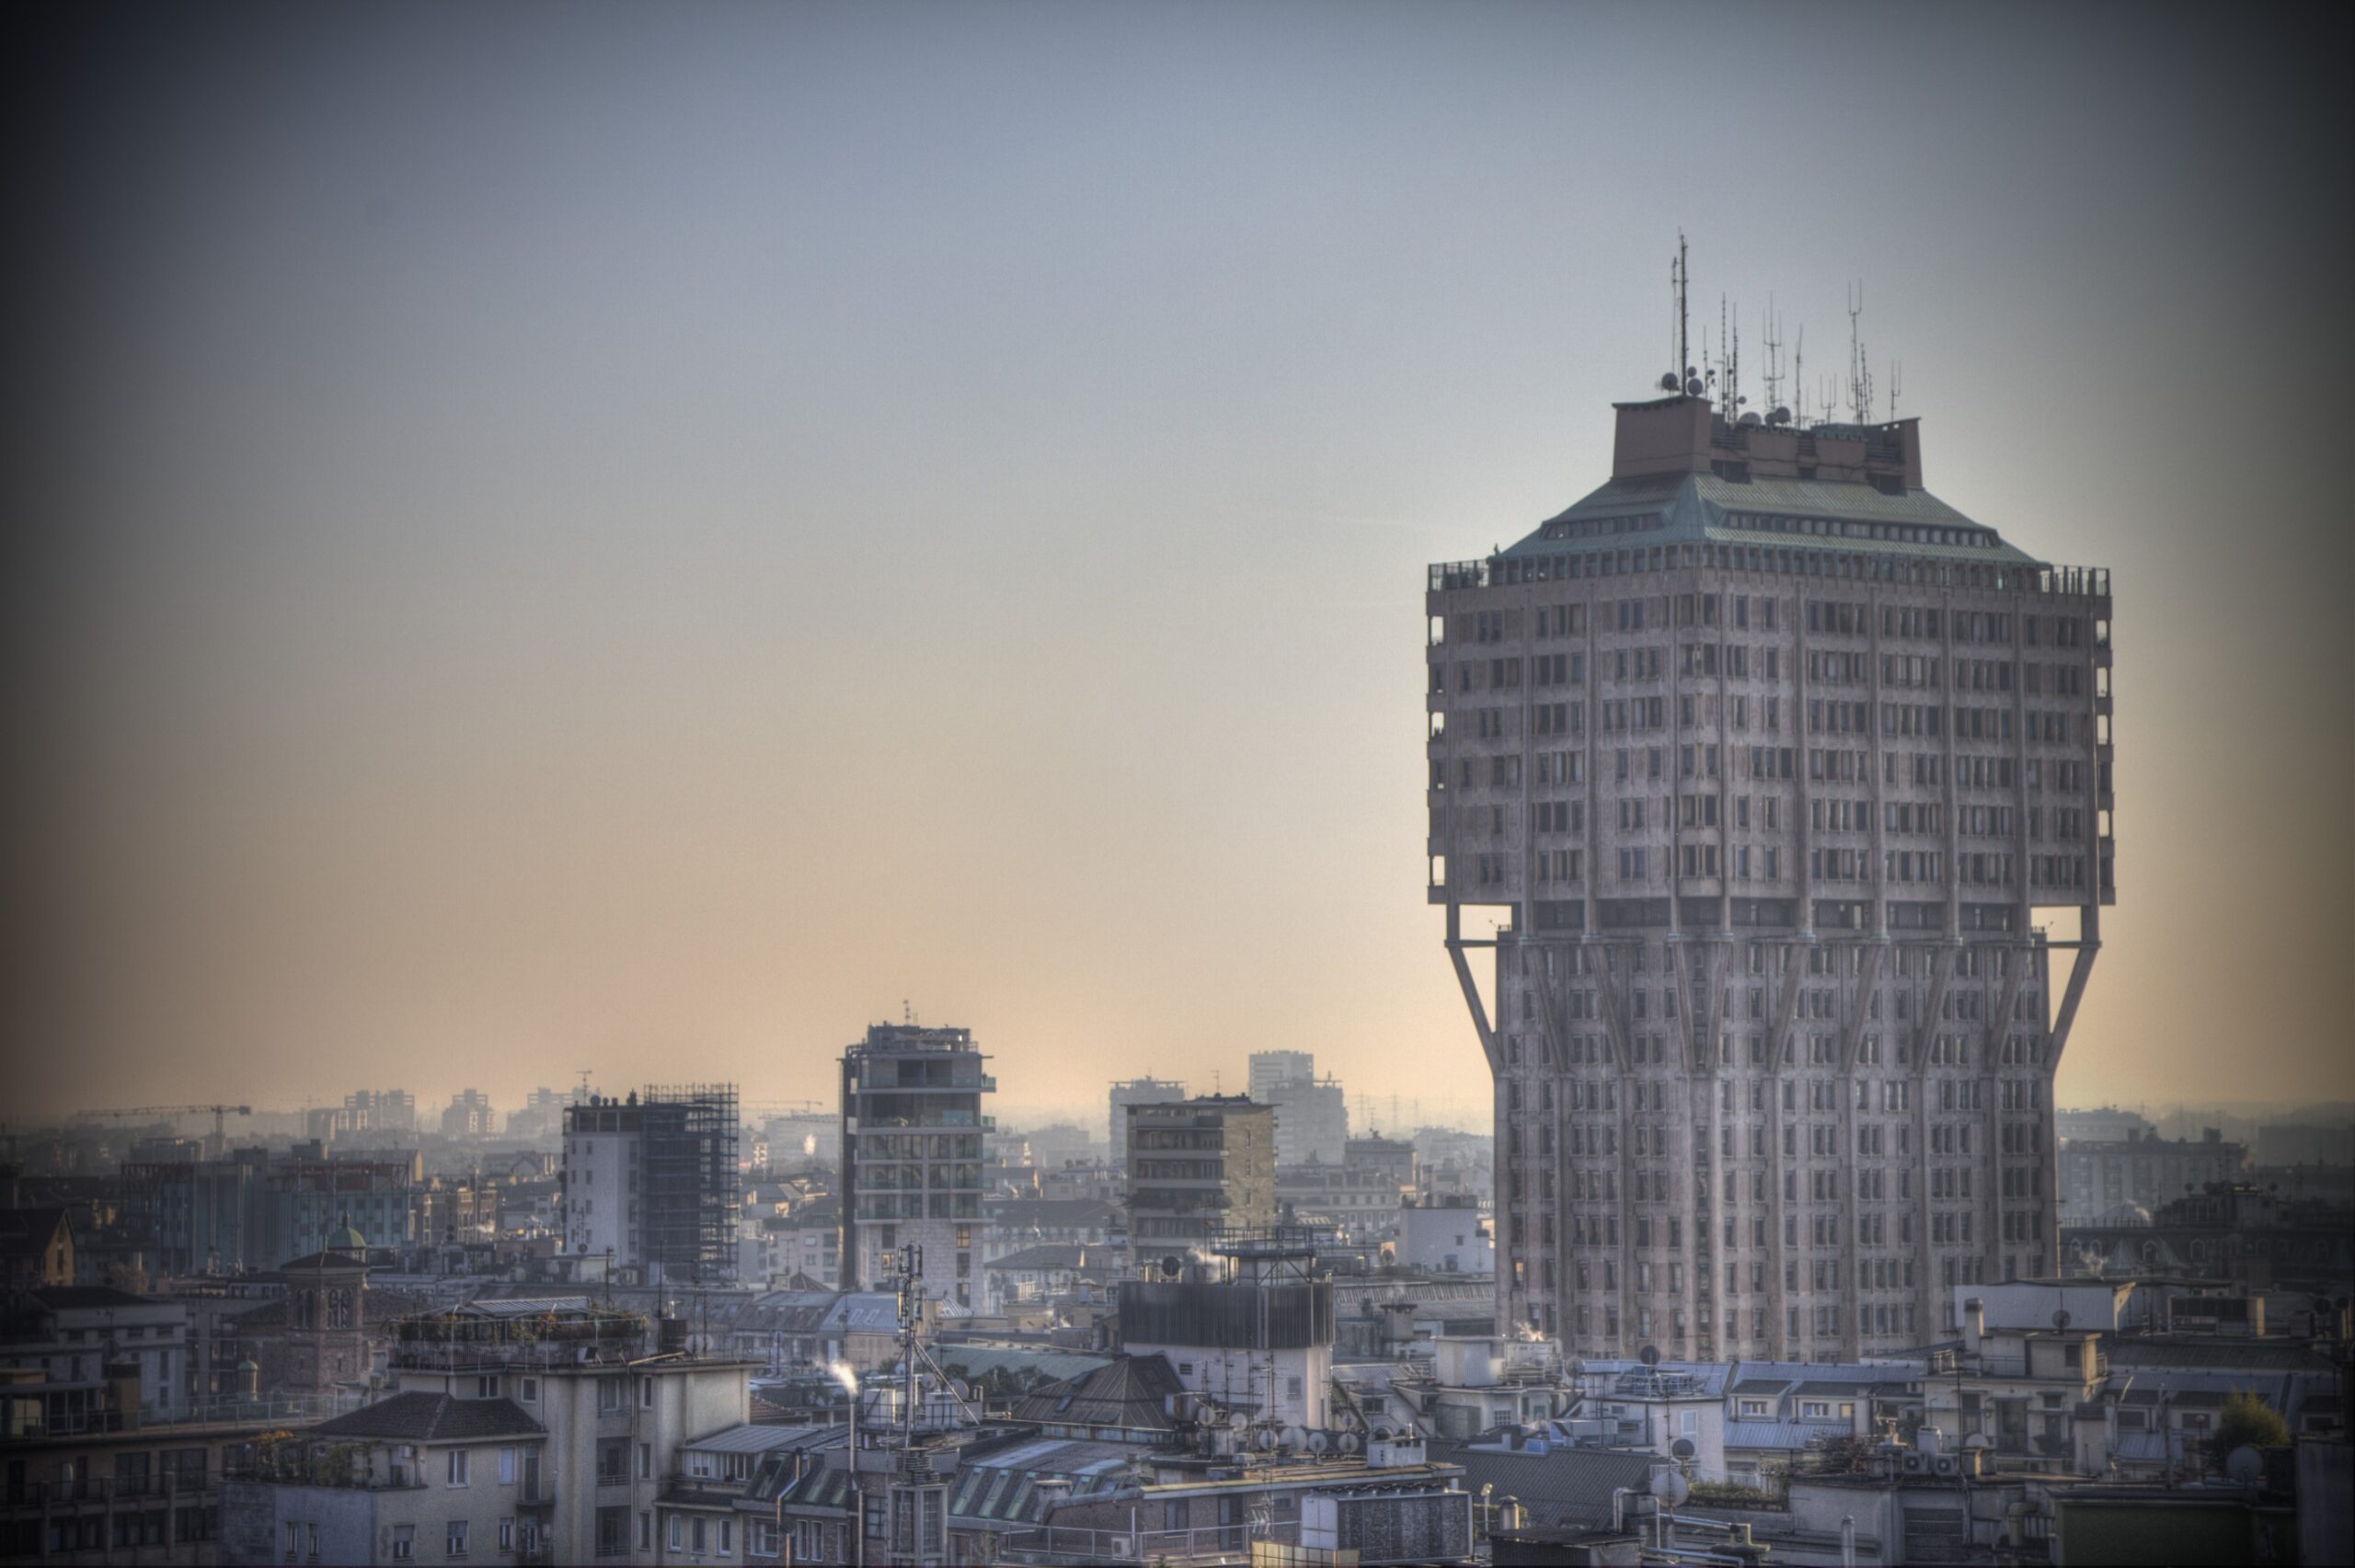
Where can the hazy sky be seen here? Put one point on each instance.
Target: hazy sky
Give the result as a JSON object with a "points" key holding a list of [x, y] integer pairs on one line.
{"points": [[638, 539]]}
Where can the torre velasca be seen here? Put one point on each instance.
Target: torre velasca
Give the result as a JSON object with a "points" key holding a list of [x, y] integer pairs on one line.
{"points": [[1786, 790]]}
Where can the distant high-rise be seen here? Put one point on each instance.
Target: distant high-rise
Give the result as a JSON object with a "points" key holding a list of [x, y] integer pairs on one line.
{"points": [[1271, 1068], [469, 1115], [1772, 769], [382, 1110], [1200, 1170], [1312, 1112], [649, 1182], [1136, 1092], [912, 1156]]}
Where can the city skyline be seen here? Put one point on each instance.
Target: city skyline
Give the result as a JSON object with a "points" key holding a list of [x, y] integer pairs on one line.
{"points": [[723, 528]]}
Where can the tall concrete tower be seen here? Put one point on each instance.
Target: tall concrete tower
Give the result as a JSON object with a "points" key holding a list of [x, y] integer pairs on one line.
{"points": [[1788, 790]]}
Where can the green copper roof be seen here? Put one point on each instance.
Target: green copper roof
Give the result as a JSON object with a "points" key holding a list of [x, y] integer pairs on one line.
{"points": [[1788, 514]]}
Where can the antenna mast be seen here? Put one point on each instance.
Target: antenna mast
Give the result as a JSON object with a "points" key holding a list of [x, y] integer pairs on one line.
{"points": [[1774, 377], [1684, 336], [1799, 380], [1859, 399], [1896, 370]]}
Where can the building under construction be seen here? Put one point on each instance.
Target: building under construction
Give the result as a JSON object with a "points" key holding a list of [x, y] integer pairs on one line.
{"points": [[650, 1184]]}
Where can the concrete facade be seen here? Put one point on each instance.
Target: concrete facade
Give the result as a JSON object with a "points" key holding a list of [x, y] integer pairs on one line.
{"points": [[1768, 767], [911, 1157], [1136, 1092], [1198, 1170]]}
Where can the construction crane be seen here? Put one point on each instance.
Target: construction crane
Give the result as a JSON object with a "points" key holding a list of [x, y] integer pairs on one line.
{"points": [[220, 1116]]}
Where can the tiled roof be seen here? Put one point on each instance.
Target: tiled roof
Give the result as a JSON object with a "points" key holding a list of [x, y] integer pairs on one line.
{"points": [[29, 1230], [1678, 509], [1788, 1434], [433, 1418], [1560, 1487], [1131, 1394], [1052, 1213], [974, 1361], [1001, 1485], [1059, 1255], [72, 1297], [754, 1439]]}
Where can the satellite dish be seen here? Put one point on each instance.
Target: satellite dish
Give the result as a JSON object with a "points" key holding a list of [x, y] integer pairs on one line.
{"points": [[1977, 1440], [1319, 1442], [1692, 386], [1294, 1437], [1778, 416], [1266, 1441], [1682, 1448], [1239, 1422], [1670, 1488], [1748, 421], [1383, 1434], [1649, 1356], [2244, 1465], [2061, 1319], [1350, 1442], [964, 1390], [1668, 381], [1171, 1265]]}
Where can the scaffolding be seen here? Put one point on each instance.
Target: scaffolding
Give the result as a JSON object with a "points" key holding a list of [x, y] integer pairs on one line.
{"points": [[689, 1156]]}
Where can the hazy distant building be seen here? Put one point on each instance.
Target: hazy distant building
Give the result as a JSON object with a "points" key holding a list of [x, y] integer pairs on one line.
{"points": [[1312, 1112], [469, 1115], [255, 1210], [541, 1116], [1270, 1068], [1137, 1092], [383, 1110], [2101, 1176], [2106, 1124], [1771, 771], [649, 1182], [2292, 1143], [1200, 1170], [911, 1157]]}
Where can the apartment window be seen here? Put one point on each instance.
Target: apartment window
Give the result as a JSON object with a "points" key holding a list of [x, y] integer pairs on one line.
{"points": [[646, 1393], [456, 1546], [645, 1531], [486, 1386], [678, 1533], [609, 1395], [727, 1535], [646, 1461], [612, 1531], [458, 1467], [506, 1467], [404, 1542], [531, 1393], [613, 1462], [507, 1535]]}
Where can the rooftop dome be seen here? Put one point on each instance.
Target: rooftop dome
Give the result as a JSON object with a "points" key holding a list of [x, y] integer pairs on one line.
{"points": [[346, 1240]]}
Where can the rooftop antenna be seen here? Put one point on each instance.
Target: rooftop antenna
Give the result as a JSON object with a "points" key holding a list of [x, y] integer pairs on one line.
{"points": [[1774, 377], [1684, 297], [1679, 381], [1896, 371], [1798, 381], [1858, 403]]}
